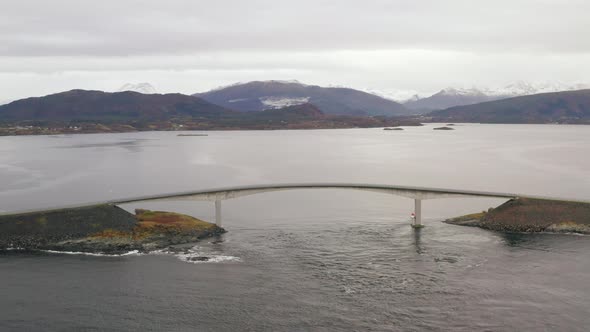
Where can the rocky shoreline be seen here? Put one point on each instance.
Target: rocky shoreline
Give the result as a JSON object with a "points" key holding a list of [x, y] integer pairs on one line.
{"points": [[527, 215], [102, 229]]}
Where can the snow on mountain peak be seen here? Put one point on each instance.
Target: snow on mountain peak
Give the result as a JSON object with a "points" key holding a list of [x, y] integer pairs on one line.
{"points": [[269, 82], [452, 96], [292, 81], [521, 88], [400, 96], [461, 92], [413, 98], [145, 88], [514, 89], [517, 88], [280, 102]]}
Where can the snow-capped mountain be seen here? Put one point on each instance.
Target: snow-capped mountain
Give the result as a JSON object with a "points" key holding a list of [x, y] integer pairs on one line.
{"points": [[450, 91], [551, 107], [451, 96], [144, 88], [400, 96], [522, 88], [264, 95], [237, 84]]}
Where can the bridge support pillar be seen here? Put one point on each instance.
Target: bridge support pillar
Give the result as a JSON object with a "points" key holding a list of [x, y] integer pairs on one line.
{"points": [[417, 214], [218, 213]]}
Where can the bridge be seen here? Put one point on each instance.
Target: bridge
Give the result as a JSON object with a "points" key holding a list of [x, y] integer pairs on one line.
{"points": [[418, 194], [218, 195]]}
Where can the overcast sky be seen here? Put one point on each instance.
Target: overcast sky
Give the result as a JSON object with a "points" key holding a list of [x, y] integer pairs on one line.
{"points": [[191, 46]]}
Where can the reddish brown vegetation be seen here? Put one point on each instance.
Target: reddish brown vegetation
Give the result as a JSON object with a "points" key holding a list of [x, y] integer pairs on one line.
{"points": [[152, 223]]}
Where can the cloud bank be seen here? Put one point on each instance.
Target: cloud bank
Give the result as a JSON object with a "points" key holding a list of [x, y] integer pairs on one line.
{"points": [[191, 46]]}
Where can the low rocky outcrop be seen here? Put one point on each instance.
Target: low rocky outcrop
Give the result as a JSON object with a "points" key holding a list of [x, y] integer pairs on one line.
{"points": [[103, 229], [532, 215]]}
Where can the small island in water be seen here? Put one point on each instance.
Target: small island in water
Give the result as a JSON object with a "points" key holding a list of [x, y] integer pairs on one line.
{"points": [[105, 229], [532, 215]]}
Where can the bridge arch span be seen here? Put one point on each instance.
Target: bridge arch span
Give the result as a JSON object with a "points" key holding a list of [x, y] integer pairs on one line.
{"points": [[218, 195]]}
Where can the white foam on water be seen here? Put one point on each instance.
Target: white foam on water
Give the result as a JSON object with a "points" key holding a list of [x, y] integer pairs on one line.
{"points": [[160, 252], [348, 290], [211, 257], [130, 253], [185, 257], [560, 233]]}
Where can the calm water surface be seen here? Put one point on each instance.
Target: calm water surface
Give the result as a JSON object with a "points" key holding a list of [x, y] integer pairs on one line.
{"points": [[306, 260]]}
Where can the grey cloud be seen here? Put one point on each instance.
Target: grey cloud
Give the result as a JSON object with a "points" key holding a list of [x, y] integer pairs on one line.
{"points": [[149, 27], [420, 70], [194, 45]]}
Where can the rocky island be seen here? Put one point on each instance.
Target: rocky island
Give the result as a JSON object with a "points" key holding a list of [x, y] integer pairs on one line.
{"points": [[531, 215], [105, 229]]}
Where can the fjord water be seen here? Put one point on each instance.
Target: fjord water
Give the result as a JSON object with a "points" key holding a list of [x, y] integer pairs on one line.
{"points": [[306, 259]]}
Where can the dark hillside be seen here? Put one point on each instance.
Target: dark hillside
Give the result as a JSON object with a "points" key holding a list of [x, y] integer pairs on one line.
{"points": [[76, 105], [556, 107], [261, 95]]}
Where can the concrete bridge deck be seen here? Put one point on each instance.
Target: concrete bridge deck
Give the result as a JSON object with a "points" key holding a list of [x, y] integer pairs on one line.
{"points": [[416, 193], [234, 192], [217, 195]]}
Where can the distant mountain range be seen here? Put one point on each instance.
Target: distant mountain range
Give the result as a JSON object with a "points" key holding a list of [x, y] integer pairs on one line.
{"points": [[274, 105], [450, 97], [554, 107], [263, 95], [98, 111]]}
